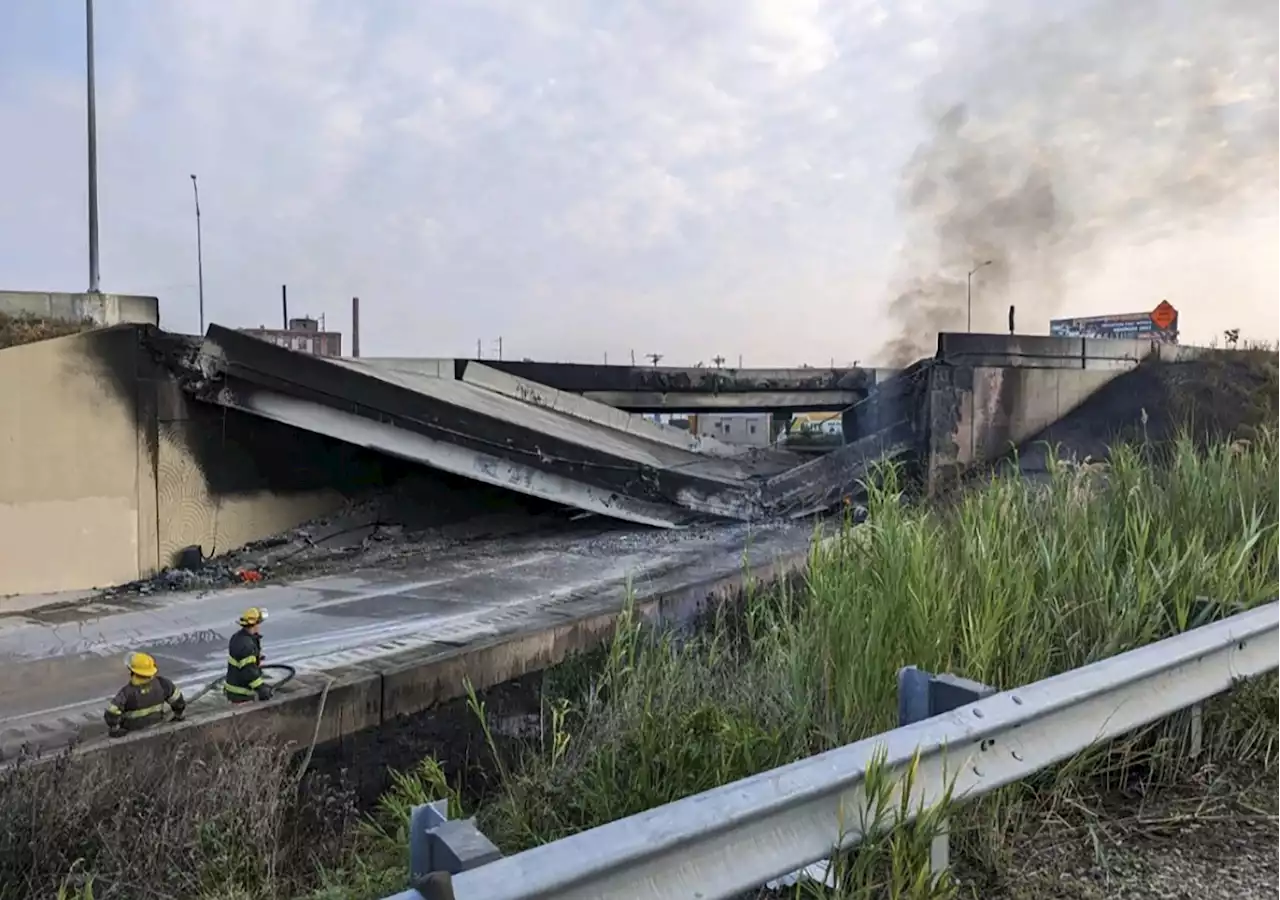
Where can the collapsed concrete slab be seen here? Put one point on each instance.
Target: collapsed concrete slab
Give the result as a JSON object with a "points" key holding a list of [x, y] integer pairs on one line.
{"points": [[570, 404], [480, 433], [890, 425], [582, 407], [830, 479]]}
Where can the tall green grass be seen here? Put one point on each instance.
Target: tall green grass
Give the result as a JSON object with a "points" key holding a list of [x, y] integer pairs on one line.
{"points": [[1006, 584], [1010, 584]]}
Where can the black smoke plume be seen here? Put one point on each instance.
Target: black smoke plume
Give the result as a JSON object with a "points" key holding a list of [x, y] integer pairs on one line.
{"points": [[1118, 121]]}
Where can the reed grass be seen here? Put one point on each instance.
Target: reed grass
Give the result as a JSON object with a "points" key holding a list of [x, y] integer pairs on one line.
{"points": [[1010, 584], [1007, 584]]}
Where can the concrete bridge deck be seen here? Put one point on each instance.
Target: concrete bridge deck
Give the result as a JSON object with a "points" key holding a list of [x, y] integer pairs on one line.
{"points": [[66, 662]]}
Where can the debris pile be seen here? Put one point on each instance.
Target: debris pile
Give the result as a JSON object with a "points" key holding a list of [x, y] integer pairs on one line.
{"points": [[387, 528]]}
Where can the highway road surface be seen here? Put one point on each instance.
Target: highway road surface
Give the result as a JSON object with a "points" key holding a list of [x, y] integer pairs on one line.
{"points": [[62, 664]]}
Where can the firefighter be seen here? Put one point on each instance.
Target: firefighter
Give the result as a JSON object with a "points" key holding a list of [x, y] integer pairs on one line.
{"points": [[244, 679], [140, 703]]}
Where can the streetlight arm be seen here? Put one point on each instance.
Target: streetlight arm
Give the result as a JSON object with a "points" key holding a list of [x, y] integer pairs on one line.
{"points": [[968, 293]]}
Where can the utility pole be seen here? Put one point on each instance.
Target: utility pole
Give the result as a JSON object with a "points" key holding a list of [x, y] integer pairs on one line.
{"points": [[633, 357], [653, 357], [499, 348], [968, 291], [479, 348], [92, 123], [195, 186]]}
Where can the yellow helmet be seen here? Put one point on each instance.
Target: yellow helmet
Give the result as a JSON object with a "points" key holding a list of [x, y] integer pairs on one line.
{"points": [[253, 616], [141, 664]]}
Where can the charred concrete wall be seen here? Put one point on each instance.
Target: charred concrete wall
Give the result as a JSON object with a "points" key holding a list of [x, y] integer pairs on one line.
{"points": [[980, 413], [224, 480], [75, 508], [990, 393], [107, 470]]}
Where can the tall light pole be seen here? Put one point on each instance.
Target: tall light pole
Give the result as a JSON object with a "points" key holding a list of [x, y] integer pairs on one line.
{"points": [[93, 150], [968, 291], [195, 187]]}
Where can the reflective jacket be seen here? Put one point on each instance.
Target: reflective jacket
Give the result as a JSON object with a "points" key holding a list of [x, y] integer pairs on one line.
{"points": [[244, 679], [140, 703]]}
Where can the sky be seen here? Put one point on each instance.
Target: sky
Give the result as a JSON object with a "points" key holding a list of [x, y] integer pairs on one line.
{"points": [[781, 181]]}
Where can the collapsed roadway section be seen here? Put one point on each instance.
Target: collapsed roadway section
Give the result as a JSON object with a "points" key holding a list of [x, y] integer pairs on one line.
{"points": [[480, 423]]}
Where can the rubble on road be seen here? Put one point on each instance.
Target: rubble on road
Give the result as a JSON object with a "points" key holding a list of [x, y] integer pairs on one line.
{"points": [[388, 527]]}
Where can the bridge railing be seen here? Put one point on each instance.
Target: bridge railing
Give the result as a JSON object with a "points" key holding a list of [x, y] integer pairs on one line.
{"points": [[963, 738]]}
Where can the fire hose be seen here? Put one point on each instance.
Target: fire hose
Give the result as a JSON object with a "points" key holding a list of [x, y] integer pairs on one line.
{"points": [[289, 673]]}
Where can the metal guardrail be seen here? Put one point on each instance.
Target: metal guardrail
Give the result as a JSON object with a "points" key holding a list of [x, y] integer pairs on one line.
{"points": [[739, 836]]}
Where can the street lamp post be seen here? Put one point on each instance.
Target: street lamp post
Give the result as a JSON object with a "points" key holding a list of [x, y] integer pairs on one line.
{"points": [[968, 291], [195, 187], [92, 125]]}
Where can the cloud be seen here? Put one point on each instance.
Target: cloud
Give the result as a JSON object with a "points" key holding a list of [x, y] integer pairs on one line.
{"points": [[687, 177]]}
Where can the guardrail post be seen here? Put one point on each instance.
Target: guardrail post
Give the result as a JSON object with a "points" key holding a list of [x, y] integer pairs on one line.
{"points": [[440, 847], [922, 695], [1197, 730]]}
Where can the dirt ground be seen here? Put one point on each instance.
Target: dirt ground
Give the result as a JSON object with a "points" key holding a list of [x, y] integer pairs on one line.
{"points": [[1214, 840]]}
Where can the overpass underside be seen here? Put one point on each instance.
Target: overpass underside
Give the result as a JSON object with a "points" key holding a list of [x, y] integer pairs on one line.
{"points": [[479, 422]]}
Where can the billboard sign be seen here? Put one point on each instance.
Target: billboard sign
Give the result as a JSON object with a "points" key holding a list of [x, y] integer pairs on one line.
{"points": [[1161, 324]]}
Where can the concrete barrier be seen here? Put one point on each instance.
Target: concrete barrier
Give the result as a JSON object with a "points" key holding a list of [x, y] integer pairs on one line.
{"points": [[103, 310], [320, 708], [1042, 352]]}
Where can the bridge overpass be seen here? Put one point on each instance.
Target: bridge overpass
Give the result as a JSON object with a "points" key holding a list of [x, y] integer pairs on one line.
{"points": [[135, 444], [670, 389]]}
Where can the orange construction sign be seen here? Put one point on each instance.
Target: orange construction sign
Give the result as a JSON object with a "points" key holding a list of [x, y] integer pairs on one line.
{"points": [[1164, 315]]}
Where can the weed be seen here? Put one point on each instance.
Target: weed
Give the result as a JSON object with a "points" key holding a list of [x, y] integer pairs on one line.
{"points": [[226, 823], [1006, 585], [16, 330], [1009, 585]]}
